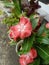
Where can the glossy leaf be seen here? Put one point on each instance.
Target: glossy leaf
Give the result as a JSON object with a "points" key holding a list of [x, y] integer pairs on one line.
{"points": [[42, 40], [45, 40], [43, 52], [45, 62], [17, 7], [34, 21], [41, 29]]}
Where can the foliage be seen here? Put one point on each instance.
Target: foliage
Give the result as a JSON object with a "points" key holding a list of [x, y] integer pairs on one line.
{"points": [[11, 20]]}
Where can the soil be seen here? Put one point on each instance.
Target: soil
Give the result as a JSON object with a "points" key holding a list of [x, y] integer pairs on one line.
{"points": [[8, 55]]}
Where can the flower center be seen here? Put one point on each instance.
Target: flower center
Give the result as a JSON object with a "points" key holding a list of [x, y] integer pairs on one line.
{"points": [[22, 27]]}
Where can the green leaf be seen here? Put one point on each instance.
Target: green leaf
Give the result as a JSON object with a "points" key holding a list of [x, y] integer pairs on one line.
{"points": [[27, 44], [41, 29], [11, 20], [20, 4], [17, 7], [42, 40], [45, 62], [34, 21], [39, 39], [43, 52], [45, 40], [36, 62], [8, 4]]}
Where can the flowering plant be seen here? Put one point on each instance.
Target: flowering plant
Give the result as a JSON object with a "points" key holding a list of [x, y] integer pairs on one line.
{"points": [[29, 33]]}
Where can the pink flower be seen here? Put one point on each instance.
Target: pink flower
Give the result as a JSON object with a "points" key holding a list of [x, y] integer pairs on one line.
{"points": [[22, 30], [25, 27], [25, 59], [28, 58], [33, 53], [47, 25], [22, 60], [14, 33]]}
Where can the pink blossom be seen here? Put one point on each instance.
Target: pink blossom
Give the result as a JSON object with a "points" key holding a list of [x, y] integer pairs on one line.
{"points": [[47, 25], [22, 60], [28, 58], [33, 53], [22, 30], [26, 27], [14, 33]]}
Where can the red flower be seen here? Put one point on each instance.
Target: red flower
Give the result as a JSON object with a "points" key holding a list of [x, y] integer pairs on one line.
{"points": [[22, 60], [33, 53], [22, 30], [14, 33], [47, 25], [25, 27], [28, 58]]}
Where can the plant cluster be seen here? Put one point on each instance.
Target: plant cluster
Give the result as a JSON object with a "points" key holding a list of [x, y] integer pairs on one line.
{"points": [[25, 24]]}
